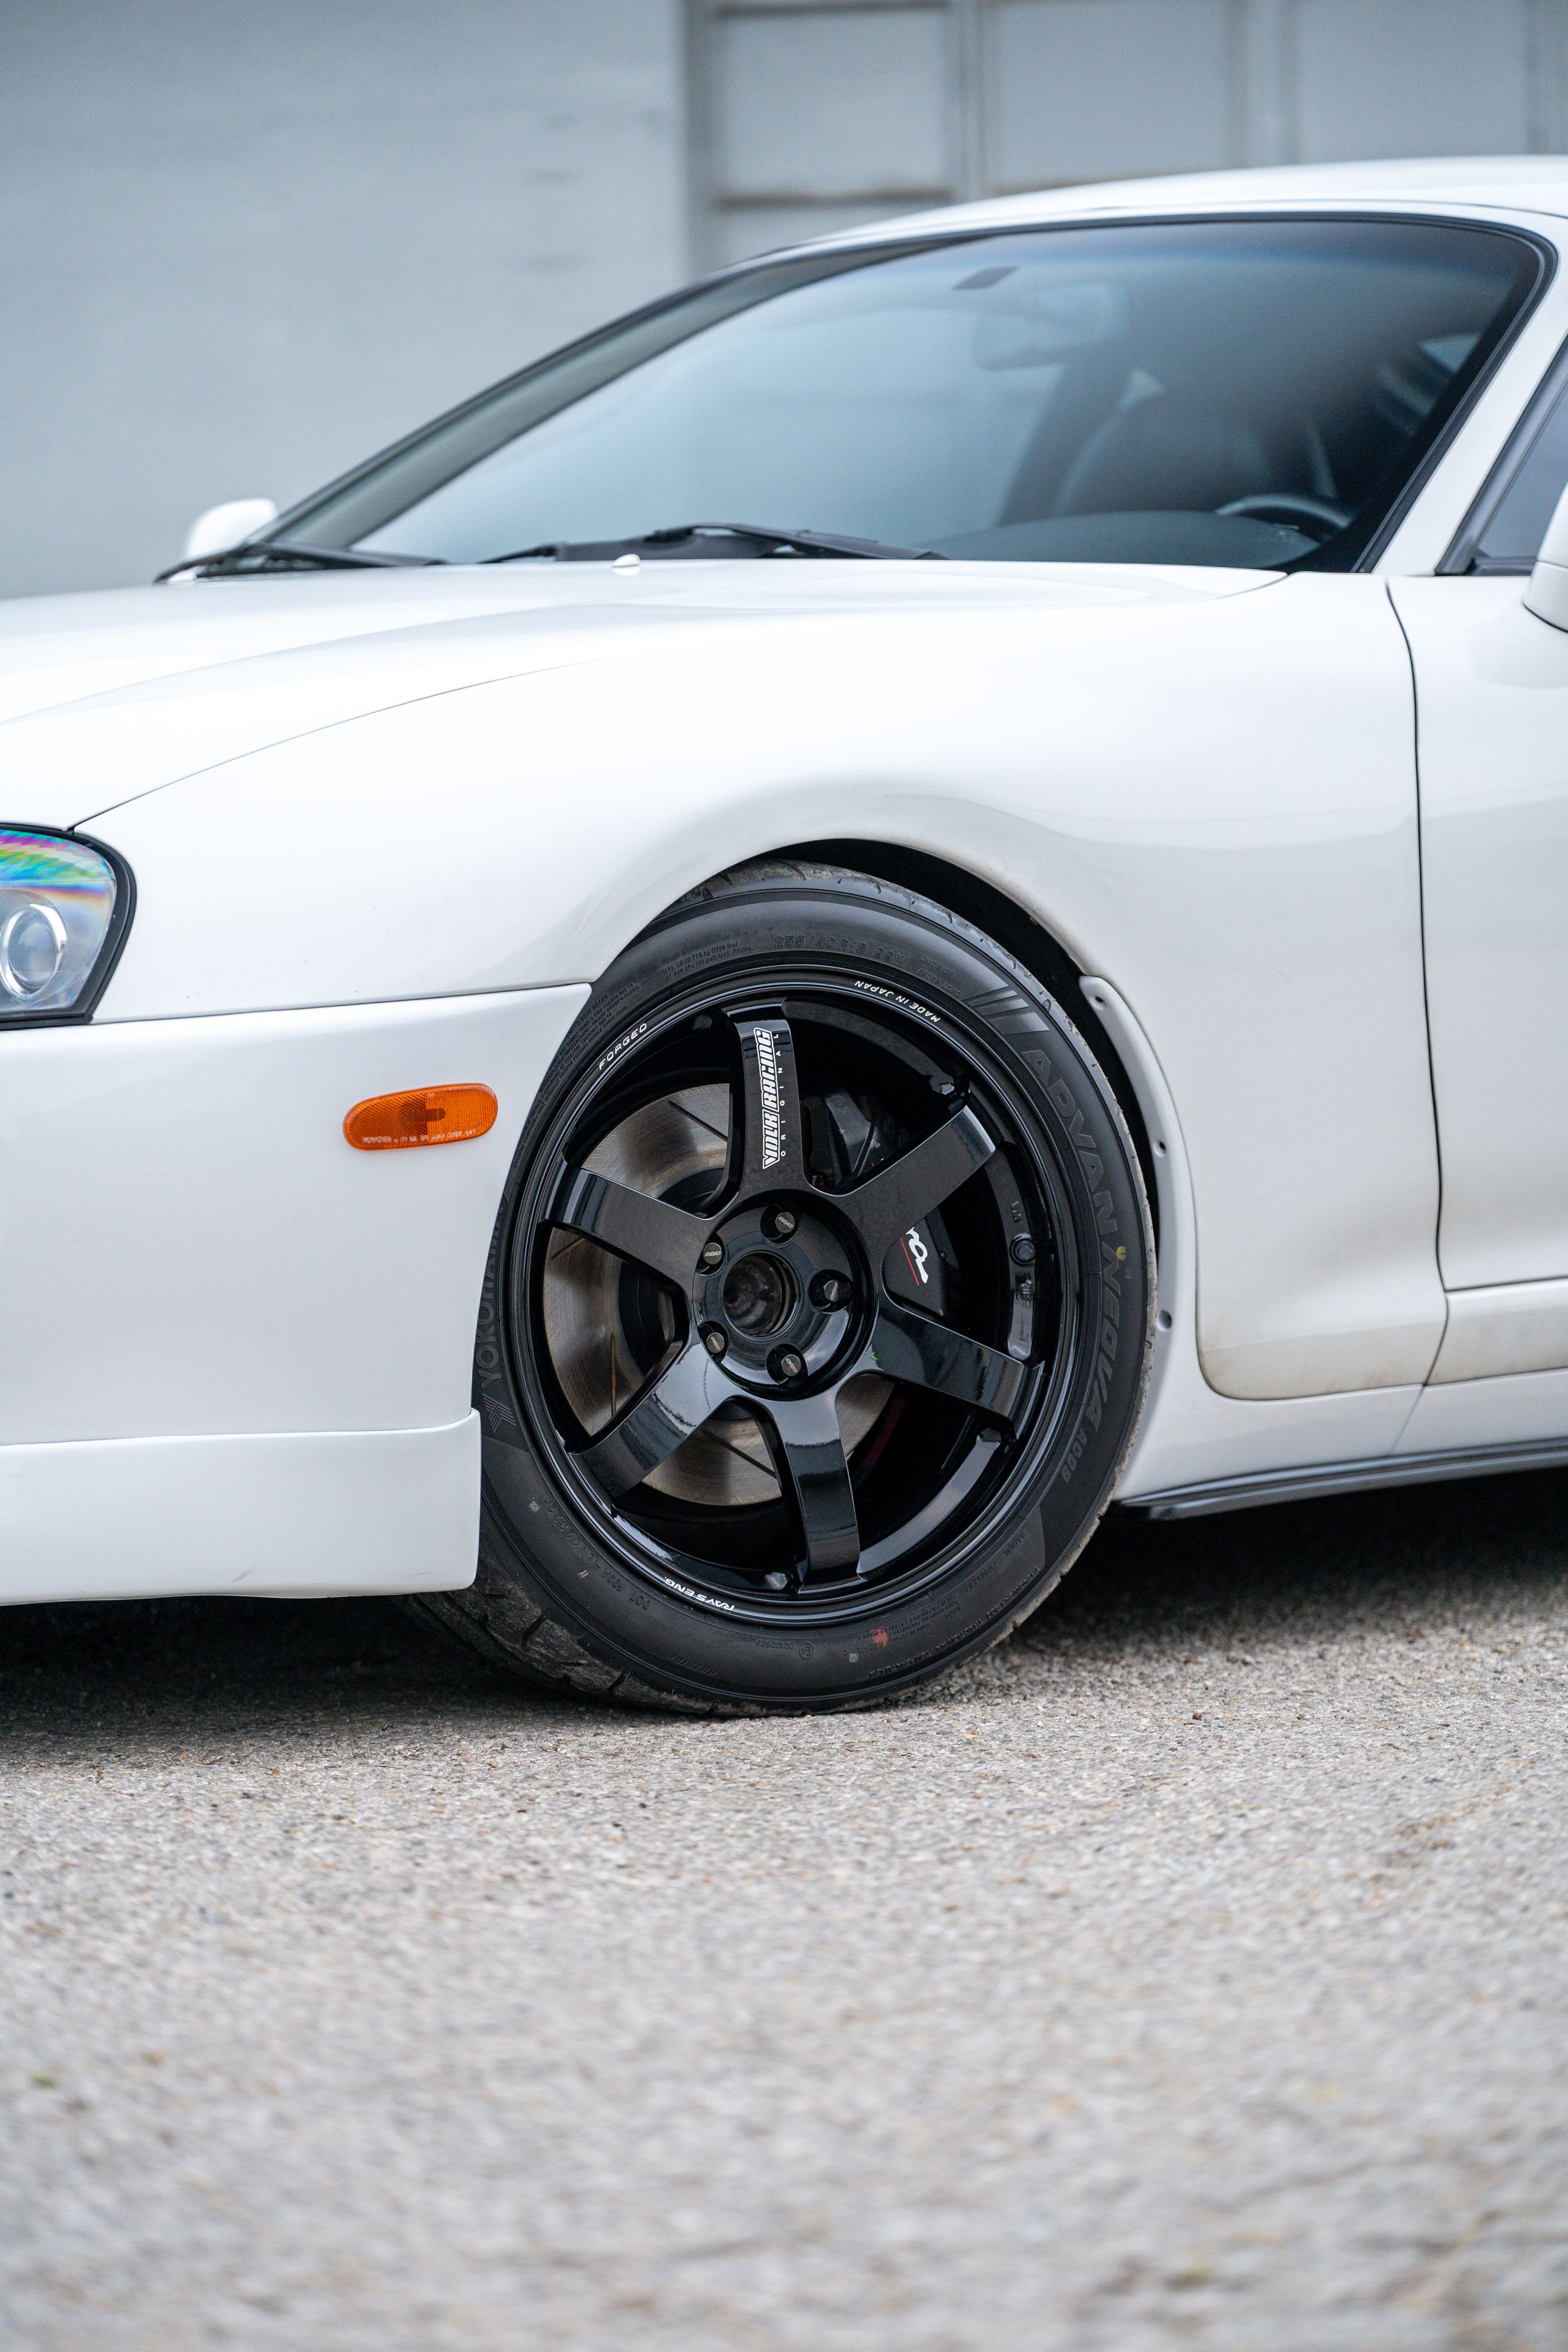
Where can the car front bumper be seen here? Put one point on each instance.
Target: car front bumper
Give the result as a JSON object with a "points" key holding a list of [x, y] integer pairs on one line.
{"points": [[237, 1354]]}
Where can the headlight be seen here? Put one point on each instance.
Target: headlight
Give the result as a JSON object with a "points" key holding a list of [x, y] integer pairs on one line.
{"points": [[64, 906]]}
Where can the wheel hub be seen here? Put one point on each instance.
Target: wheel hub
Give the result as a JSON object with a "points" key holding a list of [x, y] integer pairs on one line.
{"points": [[782, 1294], [758, 1294]]}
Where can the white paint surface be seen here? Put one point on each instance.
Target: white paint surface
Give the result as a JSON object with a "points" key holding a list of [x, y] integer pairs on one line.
{"points": [[262, 1516], [1520, 1326], [1492, 694], [191, 1248]]}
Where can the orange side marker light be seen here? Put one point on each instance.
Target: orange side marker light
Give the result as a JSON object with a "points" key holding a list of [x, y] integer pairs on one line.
{"points": [[421, 1115]]}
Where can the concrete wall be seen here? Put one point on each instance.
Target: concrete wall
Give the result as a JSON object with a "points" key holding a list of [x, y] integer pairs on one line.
{"points": [[809, 114], [247, 241]]}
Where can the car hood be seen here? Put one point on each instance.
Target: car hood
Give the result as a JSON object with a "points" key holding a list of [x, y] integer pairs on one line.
{"points": [[106, 697]]}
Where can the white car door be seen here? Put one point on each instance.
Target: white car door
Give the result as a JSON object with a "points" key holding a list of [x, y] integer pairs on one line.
{"points": [[1491, 688]]}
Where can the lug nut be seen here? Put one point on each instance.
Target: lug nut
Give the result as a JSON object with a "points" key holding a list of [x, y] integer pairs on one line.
{"points": [[780, 1224], [714, 1340], [710, 1254], [830, 1290], [1023, 1251], [786, 1364]]}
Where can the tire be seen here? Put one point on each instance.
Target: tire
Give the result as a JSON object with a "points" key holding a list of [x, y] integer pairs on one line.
{"points": [[817, 1320]]}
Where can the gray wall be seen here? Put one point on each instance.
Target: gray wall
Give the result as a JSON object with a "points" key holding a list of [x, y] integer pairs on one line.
{"points": [[809, 114], [247, 241]]}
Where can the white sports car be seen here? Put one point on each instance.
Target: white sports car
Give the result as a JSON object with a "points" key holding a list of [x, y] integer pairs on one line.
{"points": [[606, 1023]]}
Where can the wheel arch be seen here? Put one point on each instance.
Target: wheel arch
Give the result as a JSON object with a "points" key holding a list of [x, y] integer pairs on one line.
{"points": [[1012, 927]]}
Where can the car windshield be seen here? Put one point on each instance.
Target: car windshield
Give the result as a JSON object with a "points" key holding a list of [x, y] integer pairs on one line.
{"points": [[1255, 392]]}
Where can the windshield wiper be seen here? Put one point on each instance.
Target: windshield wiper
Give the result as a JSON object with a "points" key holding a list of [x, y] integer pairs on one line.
{"points": [[288, 555], [804, 543]]}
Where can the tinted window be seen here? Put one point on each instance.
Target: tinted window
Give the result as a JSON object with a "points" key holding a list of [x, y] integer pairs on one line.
{"points": [[1251, 392], [1510, 540]]}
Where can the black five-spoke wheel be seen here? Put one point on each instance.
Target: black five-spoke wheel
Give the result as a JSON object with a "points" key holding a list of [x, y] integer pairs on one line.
{"points": [[789, 1288], [818, 1312]]}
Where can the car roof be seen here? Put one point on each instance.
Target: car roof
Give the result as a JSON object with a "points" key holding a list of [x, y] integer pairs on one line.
{"points": [[1509, 184]]}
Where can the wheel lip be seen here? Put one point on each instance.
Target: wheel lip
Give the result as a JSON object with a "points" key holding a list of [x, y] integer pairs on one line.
{"points": [[875, 1009]]}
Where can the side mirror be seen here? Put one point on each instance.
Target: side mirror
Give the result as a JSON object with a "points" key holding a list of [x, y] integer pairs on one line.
{"points": [[1547, 595], [225, 526]]}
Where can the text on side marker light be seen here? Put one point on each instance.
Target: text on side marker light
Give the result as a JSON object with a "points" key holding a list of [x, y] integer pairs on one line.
{"points": [[421, 1115]]}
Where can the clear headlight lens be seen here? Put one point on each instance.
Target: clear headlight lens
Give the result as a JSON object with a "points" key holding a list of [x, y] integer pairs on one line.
{"points": [[64, 905]]}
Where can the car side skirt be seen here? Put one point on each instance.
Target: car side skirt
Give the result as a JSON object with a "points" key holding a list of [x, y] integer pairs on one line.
{"points": [[1301, 1484]]}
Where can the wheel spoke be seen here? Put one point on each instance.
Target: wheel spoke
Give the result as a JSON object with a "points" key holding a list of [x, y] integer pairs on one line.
{"points": [[898, 1196], [907, 1346], [809, 1455], [664, 1416], [633, 1224], [772, 1139]]}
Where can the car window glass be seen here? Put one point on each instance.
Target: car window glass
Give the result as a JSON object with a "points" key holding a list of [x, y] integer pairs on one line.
{"points": [[1251, 392], [1511, 540]]}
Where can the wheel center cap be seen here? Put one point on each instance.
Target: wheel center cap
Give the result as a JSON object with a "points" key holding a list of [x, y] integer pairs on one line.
{"points": [[758, 1294]]}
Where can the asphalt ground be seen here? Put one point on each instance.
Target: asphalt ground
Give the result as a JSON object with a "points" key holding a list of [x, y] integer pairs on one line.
{"points": [[1191, 1971]]}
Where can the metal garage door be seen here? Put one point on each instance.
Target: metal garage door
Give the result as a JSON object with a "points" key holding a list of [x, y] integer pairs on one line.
{"points": [[808, 114]]}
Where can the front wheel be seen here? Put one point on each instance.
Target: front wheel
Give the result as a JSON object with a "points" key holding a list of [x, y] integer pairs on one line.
{"points": [[818, 1312]]}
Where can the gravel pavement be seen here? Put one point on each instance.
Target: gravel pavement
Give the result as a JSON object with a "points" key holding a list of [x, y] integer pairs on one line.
{"points": [[1191, 1971]]}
